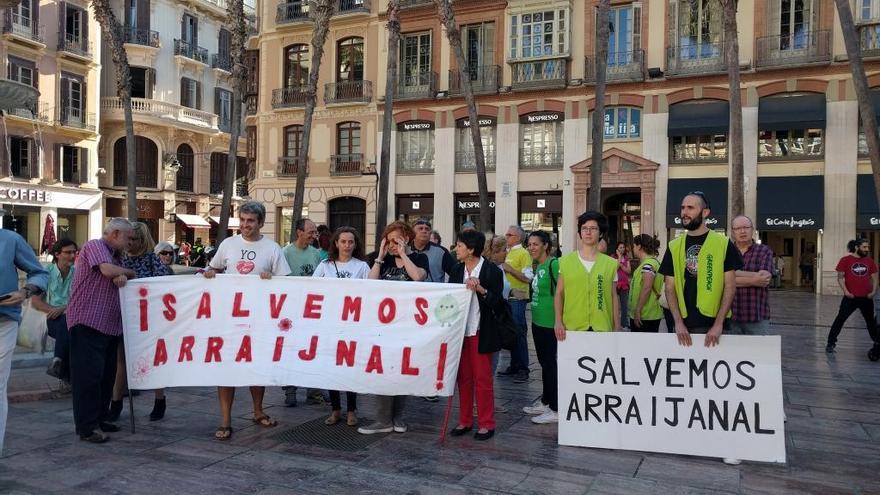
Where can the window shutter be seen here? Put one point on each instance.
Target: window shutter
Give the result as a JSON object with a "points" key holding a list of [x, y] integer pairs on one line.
{"points": [[225, 43], [83, 166], [672, 21], [183, 28], [198, 95], [65, 97], [217, 110], [5, 169], [184, 93], [150, 83], [35, 15], [488, 42], [57, 163], [84, 94], [637, 27], [775, 19], [84, 17], [143, 13], [33, 170], [62, 18], [195, 24], [128, 13]]}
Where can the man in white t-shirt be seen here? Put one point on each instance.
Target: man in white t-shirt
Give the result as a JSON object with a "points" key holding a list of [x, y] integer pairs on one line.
{"points": [[249, 253]]}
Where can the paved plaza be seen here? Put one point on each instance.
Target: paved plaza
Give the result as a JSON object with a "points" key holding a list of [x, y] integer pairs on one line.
{"points": [[832, 437]]}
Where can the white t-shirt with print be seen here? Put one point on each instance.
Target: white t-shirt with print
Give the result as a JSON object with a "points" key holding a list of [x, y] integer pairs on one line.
{"points": [[236, 255], [352, 268]]}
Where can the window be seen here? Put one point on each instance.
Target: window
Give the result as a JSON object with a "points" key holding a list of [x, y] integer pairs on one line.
{"points": [[146, 161], [464, 144], [219, 162], [415, 147], [224, 44], [71, 164], [867, 10], [478, 41], [292, 140], [415, 60], [699, 148], [698, 29], [623, 123], [348, 138], [143, 80], [131, 13], [21, 70], [75, 27], [186, 174], [541, 143], [72, 99], [791, 144], [223, 108], [190, 93], [189, 30], [251, 142], [539, 34], [350, 60], [23, 159], [625, 36], [296, 66]]}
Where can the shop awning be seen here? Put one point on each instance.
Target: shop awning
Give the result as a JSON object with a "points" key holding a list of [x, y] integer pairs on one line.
{"points": [[233, 222], [867, 209], [415, 205], [779, 113], [699, 118], [791, 203], [715, 189], [193, 221]]}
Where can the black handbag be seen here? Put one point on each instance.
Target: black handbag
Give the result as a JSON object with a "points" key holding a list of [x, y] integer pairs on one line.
{"points": [[506, 328]]}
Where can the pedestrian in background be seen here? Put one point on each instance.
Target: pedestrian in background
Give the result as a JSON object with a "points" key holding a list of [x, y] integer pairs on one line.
{"points": [[857, 277], [624, 271], [54, 303], [518, 270], [647, 285], [751, 303]]}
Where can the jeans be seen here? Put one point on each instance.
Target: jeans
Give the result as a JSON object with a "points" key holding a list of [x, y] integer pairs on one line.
{"points": [[647, 326], [545, 348], [750, 327], [519, 356], [57, 329], [8, 336], [847, 307], [390, 407], [350, 401], [623, 295], [92, 372], [475, 379]]}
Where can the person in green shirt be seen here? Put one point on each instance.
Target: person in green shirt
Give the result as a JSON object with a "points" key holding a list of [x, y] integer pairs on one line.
{"points": [[647, 283], [54, 303], [546, 273], [518, 269]]}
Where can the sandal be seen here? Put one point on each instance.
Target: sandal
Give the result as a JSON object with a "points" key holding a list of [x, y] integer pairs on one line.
{"points": [[265, 421], [332, 419], [223, 433], [352, 419]]}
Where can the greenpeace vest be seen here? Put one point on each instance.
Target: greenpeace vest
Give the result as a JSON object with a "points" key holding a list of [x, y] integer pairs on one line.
{"points": [[651, 310], [710, 273], [587, 295]]}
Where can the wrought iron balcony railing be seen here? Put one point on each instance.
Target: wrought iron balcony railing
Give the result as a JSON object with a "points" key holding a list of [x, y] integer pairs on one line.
{"points": [[869, 35], [289, 97], [24, 27], [415, 163], [622, 67], [405, 4], [545, 73], [292, 12], [351, 6], [695, 59], [540, 159], [190, 51], [466, 161], [415, 85], [143, 37], [250, 105], [75, 117], [485, 79], [350, 164], [74, 44], [805, 47], [288, 166], [348, 91], [222, 62]]}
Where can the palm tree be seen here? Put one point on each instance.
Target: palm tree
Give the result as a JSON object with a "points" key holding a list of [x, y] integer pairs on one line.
{"points": [[603, 31], [735, 142], [447, 18], [236, 22], [113, 34], [393, 25], [321, 11], [863, 92]]}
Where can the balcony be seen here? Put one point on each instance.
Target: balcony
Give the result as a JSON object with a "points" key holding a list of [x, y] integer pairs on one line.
{"points": [[190, 51], [348, 92], [415, 163], [289, 97], [170, 113], [352, 7], [250, 105], [406, 4], [416, 85], [184, 184], [869, 35], [18, 98], [695, 59], [74, 45], [485, 80], [466, 161], [22, 28], [288, 166], [241, 188], [351, 164], [292, 12], [622, 67], [540, 74], [76, 118], [540, 159], [142, 37], [803, 48], [221, 62]]}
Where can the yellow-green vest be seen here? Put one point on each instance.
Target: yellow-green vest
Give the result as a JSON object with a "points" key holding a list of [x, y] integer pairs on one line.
{"points": [[587, 299], [651, 310], [710, 273]]}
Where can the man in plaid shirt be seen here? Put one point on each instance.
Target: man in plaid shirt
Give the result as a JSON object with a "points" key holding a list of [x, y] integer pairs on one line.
{"points": [[751, 308]]}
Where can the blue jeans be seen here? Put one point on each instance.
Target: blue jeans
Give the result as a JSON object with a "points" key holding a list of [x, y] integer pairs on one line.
{"points": [[519, 356], [761, 327]]}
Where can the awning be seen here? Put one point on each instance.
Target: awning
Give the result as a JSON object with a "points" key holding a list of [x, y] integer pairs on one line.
{"points": [[698, 118], [193, 221], [233, 222], [779, 113], [791, 203], [867, 209], [714, 189]]}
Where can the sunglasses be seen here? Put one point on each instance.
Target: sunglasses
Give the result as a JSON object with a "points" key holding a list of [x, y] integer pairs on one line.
{"points": [[701, 195], [165, 253]]}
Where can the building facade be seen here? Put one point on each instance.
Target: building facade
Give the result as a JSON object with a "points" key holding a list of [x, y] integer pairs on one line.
{"points": [[531, 64], [179, 53], [49, 101]]}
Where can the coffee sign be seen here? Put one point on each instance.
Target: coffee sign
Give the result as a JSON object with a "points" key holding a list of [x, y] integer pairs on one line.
{"points": [[540, 117], [27, 194], [484, 122], [415, 125]]}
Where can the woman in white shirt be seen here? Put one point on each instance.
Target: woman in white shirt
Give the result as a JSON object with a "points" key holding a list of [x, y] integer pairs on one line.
{"points": [[343, 261]]}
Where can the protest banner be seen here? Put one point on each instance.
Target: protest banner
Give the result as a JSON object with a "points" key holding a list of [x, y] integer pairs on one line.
{"points": [[639, 391], [369, 336]]}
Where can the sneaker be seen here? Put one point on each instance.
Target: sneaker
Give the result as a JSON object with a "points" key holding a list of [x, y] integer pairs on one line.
{"points": [[289, 396], [64, 388], [521, 377], [829, 348], [54, 369], [399, 426], [94, 437], [545, 419], [500, 409], [730, 461], [375, 428], [536, 409], [107, 427]]}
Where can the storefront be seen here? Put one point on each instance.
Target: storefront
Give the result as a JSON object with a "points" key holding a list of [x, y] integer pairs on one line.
{"points": [[411, 207], [467, 209], [150, 212], [868, 213], [715, 189], [791, 212], [541, 211], [189, 227]]}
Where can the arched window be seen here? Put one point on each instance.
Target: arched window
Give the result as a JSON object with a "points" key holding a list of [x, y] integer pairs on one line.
{"points": [[296, 66], [147, 161], [350, 60], [185, 175]]}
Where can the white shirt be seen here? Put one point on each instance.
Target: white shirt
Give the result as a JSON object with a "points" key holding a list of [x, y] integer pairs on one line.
{"points": [[474, 313], [588, 265], [353, 268], [236, 255]]}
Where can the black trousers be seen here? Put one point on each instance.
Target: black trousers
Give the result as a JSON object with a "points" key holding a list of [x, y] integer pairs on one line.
{"points": [[545, 348], [350, 401], [57, 329], [847, 307], [670, 320], [647, 326], [92, 372]]}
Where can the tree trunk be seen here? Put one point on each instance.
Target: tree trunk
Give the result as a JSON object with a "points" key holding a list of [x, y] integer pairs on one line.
{"points": [[387, 120], [447, 18], [735, 131], [321, 10], [112, 33], [236, 24], [863, 91], [603, 31]]}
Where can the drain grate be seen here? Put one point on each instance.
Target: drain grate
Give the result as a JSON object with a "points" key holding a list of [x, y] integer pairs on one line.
{"points": [[337, 437]]}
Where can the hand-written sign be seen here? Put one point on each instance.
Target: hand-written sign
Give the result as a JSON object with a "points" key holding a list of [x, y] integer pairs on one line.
{"points": [[391, 338], [645, 392]]}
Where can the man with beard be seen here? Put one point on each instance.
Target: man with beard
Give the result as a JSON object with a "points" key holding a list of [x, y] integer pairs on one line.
{"points": [[857, 276]]}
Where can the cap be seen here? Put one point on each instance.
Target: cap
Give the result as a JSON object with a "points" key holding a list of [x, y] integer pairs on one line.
{"points": [[468, 225], [422, 221]]}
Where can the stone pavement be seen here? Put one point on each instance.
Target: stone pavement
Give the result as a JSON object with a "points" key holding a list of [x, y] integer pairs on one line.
{"points": [[832, 434]]}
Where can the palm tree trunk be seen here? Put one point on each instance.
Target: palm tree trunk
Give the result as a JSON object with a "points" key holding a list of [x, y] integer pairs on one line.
{"points": [[735, 131], [322, 10], [863, 91], [603, 31], [387, 119], [447, 18]]}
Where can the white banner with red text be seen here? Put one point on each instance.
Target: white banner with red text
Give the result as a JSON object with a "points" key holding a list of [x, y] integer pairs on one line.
{"points": [[640, 391], [368, 336]]}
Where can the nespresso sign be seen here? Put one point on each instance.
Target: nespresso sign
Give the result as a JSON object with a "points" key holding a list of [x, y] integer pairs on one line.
{"points": [[484, 122], [28, 194], [540, 117], [415, 125]]}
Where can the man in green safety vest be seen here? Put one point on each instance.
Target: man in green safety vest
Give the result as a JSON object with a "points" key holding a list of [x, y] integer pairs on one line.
{"points": [[586, 299], [700, 269]]}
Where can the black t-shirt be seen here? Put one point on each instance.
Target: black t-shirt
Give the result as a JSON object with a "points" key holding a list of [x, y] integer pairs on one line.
{"points": [[693, 244], [390, 271]]}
